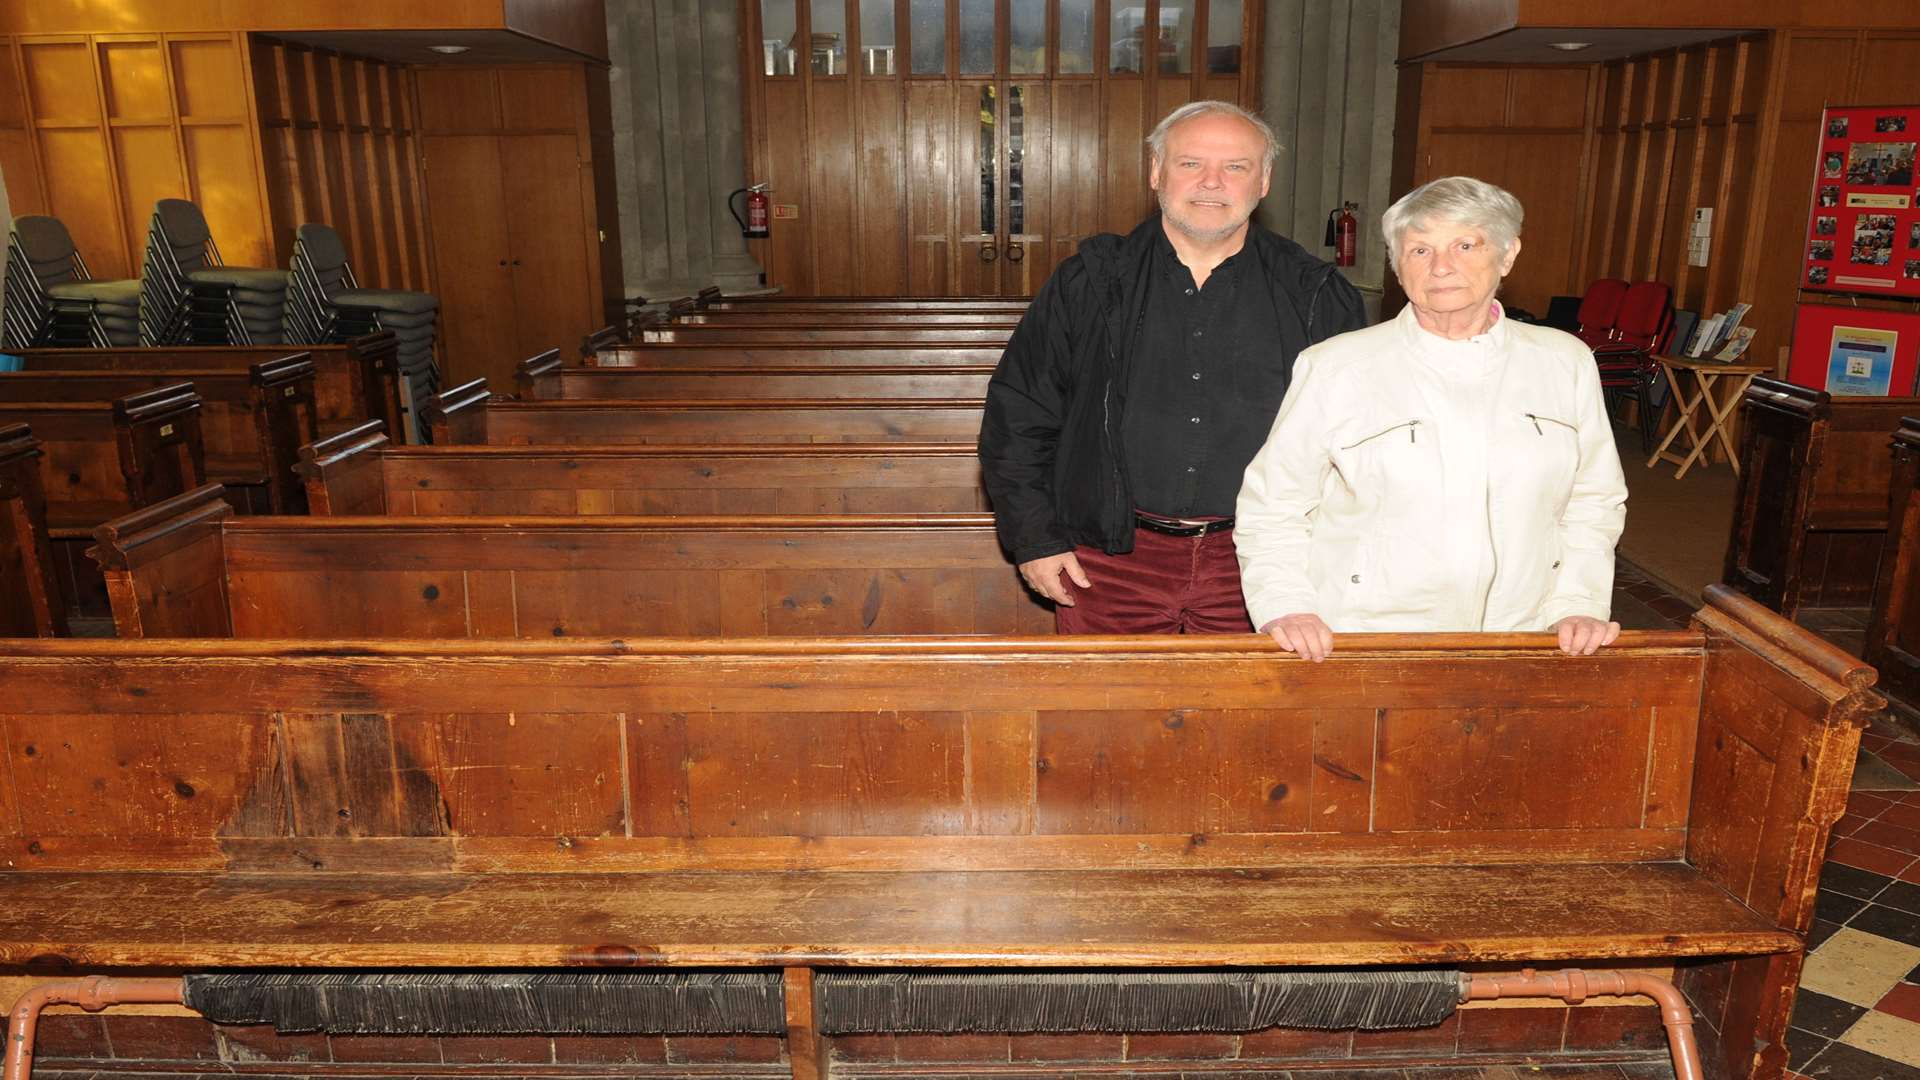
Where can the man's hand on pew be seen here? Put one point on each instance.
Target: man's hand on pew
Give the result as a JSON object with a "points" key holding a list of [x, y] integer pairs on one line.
{"points": [[1582, 635], [1303, 633], [1042, 575]]}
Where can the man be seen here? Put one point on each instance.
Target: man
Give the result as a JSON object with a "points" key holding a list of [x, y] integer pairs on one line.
{"points": [[1140, 382]]}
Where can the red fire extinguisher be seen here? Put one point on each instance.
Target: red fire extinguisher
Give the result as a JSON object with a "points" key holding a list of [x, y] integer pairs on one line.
{"points": [[1343, 233], [757, 224]]}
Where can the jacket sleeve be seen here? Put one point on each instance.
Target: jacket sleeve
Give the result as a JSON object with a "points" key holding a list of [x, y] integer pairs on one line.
{"points": [[1273, 525], [1596, 511], [1337, 308], [1026, 406]]}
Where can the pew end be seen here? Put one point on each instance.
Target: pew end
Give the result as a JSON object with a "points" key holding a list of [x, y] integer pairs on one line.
{"points": [[459, 415], [285, 418], [602, 338], [342, 473], [165, 569], [527, 375], [30, 603]]}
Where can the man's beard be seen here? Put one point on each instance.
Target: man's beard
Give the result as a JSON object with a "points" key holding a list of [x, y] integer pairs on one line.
{"points": [[1196, 232]]}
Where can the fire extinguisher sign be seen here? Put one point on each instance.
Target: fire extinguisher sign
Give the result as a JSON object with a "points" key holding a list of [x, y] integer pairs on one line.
{"points": [[786, 211]]}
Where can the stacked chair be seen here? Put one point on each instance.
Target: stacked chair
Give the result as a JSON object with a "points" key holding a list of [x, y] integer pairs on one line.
{"points": [[1642, 328], [188, 296], [51, 298], [326, 304]]}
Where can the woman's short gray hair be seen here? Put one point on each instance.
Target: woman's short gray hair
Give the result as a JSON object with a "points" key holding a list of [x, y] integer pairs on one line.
{"points": [[1157, 140], [1460, 199]]}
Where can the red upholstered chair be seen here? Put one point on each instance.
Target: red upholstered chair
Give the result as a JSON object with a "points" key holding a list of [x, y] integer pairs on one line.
{"points": [[1641, 329], [1599, 308]]}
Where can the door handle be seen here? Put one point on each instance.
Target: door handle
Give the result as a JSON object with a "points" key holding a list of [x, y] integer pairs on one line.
{"points": [[1016, 251], [988, 253]]}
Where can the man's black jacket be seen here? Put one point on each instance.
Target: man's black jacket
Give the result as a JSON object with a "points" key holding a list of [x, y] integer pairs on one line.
{"points": [[1050, 441]]}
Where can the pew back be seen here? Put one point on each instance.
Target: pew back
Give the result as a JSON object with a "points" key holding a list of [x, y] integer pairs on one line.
{"points": [[469, 415], [1893, 627], [833, 318], [545, 378], [808, 334], [353, 382], [357, 473], [186, 568], [700, 354], [104, 458]]}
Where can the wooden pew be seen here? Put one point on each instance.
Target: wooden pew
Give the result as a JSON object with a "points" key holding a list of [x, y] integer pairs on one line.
{"points": [[708, 354], [253, 422], [819, 806], [832, 318], [30, 601], [358, 473], [99, 460], [676, 333], [546, 378], [353, 383], [1810, 510], [1893, 627], [821, 304], [469, 415], [187, 567]]}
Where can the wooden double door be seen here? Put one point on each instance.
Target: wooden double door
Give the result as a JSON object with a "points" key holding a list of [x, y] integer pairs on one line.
{"points": [[966, 147]]}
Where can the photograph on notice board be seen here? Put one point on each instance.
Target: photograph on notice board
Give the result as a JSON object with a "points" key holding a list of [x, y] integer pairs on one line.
{"points": [[1836, 127], [1912, 270], [1816, 275], [1913, 236], [1883, 124], [1834, 164], [1872, 240], [1860, 361], [1880, 164], [1830, 195], [1826, 226], [1820, 251]]}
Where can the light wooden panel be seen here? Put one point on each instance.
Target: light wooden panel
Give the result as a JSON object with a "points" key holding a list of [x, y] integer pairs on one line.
{"points": [[830, 186], [788, 255], [542, 180], [469, 230], [63, 101], [1073, 197], [930, 196], [1124, 189], [880, 171], [19, 163]]}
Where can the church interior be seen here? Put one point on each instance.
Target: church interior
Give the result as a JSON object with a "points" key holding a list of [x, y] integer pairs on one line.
{"points": [[498, 577]]}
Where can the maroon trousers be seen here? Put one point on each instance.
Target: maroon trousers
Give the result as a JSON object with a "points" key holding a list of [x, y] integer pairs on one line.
{"points": [[1167, 585]]}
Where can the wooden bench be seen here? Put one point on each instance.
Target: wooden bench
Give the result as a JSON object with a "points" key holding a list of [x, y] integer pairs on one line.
{"points": [[546, 378], [470, 415], [30, 601], [708, 354], [1810, 510], [833, 318], [803, 334], [824, 805], [187, 567], [1893, 627], [822, 304], [358, 473], [353, 383], [99, 460], [253, 421]]}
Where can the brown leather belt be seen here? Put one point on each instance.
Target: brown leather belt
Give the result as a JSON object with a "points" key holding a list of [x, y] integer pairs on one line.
{"points": [[1181, 528]]}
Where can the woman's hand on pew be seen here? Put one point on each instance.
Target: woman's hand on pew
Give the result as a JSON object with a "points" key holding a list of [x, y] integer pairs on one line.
{"points": [[1042, 575], [1582, 635], [1303, 634]]}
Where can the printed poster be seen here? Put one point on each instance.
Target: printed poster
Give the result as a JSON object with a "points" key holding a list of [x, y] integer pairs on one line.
{"points": [[1860, 361], [1863, 233]]}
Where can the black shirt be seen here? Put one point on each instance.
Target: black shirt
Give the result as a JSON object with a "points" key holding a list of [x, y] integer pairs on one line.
{"points": [[1206, 383]]}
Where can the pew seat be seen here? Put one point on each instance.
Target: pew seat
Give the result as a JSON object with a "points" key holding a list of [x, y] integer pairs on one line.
{"points": [[546, 378], [358, 473], [1206, 804], [808, 334], [710, 354]]}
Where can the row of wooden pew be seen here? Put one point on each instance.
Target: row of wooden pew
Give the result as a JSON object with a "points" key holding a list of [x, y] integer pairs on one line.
{"points": [[587, 723]]}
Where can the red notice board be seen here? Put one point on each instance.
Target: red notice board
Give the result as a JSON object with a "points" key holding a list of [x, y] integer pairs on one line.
{"points": [[1855, 352], [1863, 235]]}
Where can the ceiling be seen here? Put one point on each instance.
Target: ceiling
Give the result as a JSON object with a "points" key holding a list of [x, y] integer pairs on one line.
{"points": [[1530, 45], [410, 46]]}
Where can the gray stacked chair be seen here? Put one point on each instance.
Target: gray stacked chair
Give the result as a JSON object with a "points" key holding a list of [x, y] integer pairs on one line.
{"points": [[188, 296], [52, 299], [325, 303]]}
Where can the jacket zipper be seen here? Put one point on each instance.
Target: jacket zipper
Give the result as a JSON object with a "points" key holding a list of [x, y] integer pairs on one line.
{"points": [[1413, 434], [1536, 423]]}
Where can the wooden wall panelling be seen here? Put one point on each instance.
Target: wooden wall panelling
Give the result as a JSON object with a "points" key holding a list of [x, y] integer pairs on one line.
{"points": [[880, 174], [972, 108], [789, 259], [545, 184], [1024, 275], [1073, 173], [19, 152], [63, 99], [220, 146], [145, 160], [604, 191], [930, 197], [1124, 192], [831, 153], [468, 226]]}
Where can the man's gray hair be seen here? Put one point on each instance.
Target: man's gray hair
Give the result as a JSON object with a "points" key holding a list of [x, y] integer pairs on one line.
{"points": [[1157, 141], [1460, 199]]}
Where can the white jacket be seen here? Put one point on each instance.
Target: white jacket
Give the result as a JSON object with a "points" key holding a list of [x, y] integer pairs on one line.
{"points": [[1342, 511]]}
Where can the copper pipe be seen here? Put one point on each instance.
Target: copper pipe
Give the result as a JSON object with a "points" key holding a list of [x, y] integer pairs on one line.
{"points": [[93, 993], [1574, 986]]}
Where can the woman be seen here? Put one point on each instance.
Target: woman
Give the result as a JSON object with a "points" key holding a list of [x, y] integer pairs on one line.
{"points": [[1448, 470]]}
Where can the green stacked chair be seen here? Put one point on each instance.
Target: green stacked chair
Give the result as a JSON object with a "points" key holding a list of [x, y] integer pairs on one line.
{"points": [[52, 299], [325, 303], [189, 296]]}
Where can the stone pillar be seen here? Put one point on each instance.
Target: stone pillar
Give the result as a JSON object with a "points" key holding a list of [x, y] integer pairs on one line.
{"points": [[1327, 87], [678, 145]]}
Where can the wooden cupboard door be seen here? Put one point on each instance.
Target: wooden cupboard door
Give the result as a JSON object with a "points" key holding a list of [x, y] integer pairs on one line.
{"points": [[470, 253], [1024, 206], [548, 234], [979, 185]]}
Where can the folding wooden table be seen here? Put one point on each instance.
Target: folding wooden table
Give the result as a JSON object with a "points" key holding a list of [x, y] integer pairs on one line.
{"points": [[1694, 383]]}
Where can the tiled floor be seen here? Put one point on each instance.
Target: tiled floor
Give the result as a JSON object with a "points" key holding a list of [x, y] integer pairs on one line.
{"points": [[1858, 1014]]}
